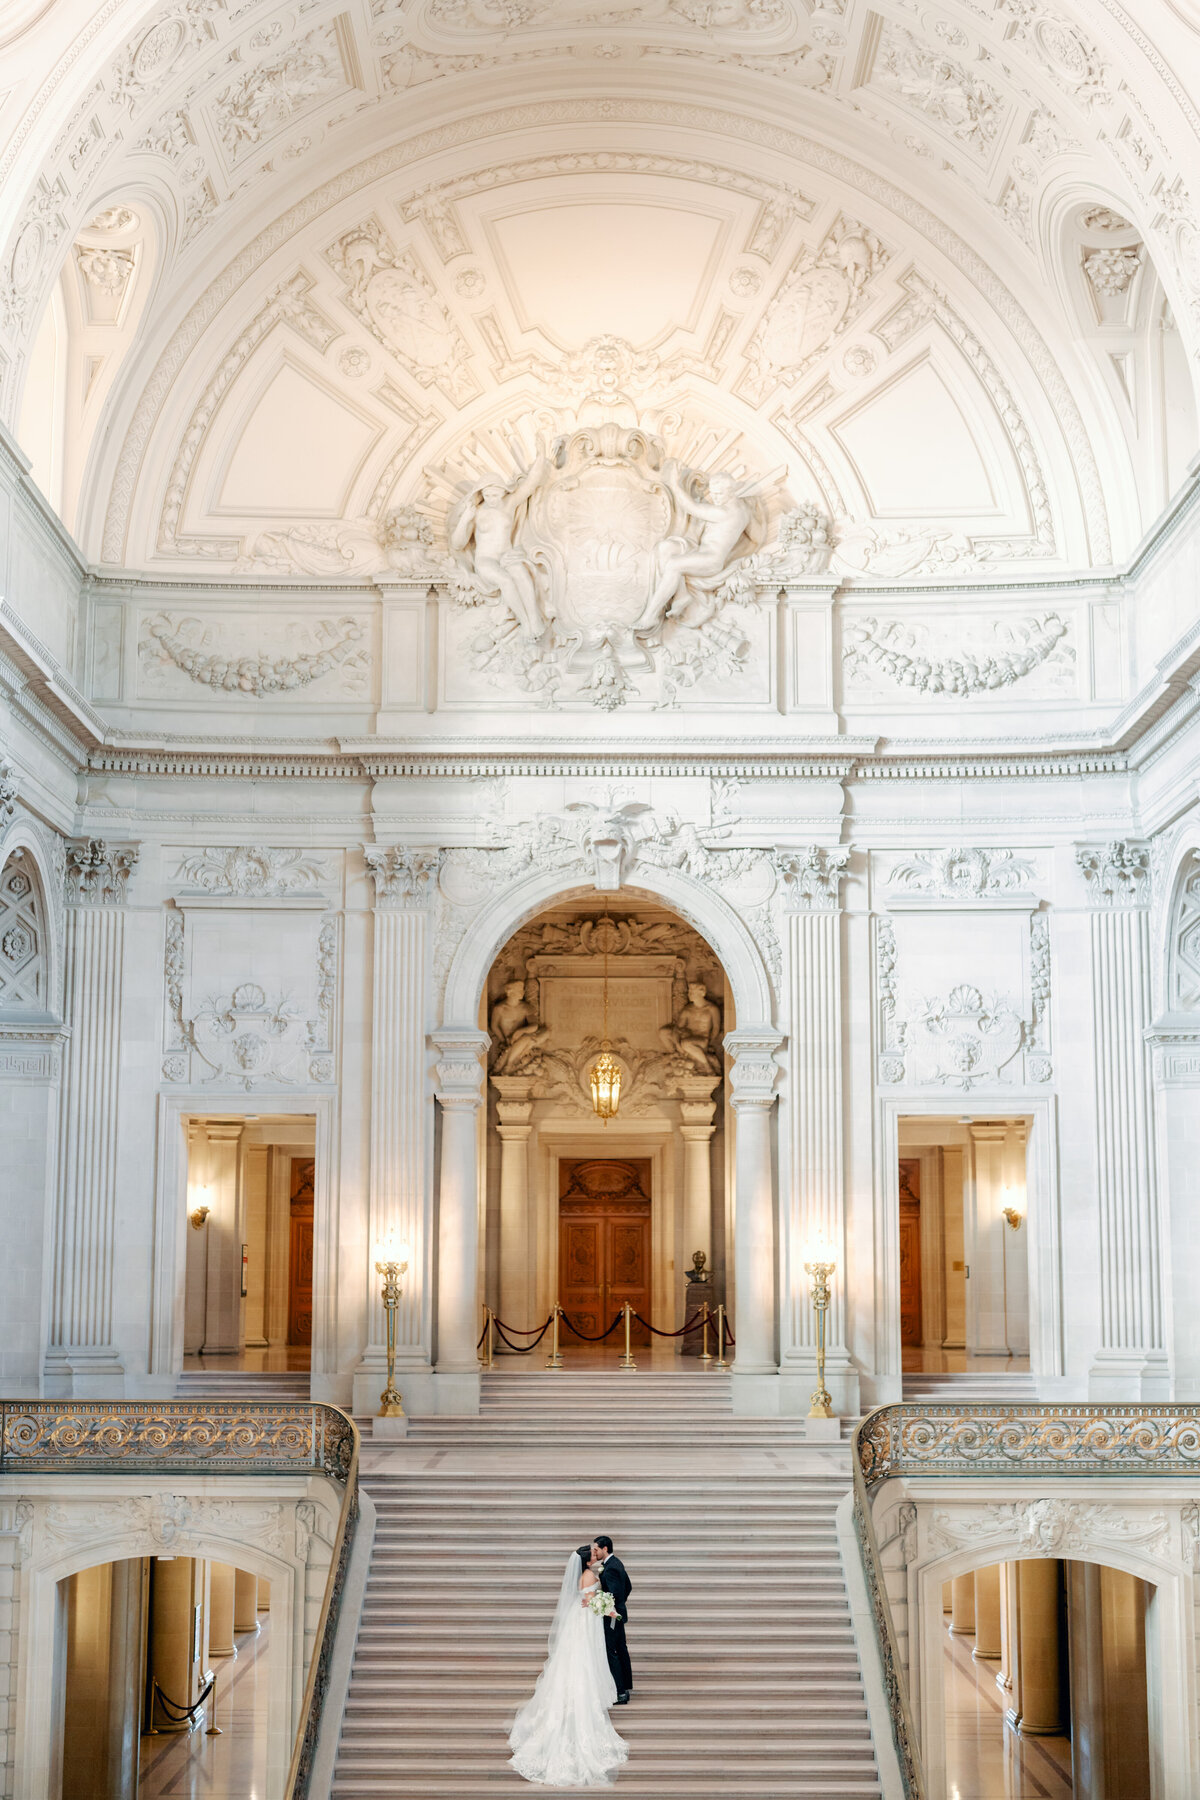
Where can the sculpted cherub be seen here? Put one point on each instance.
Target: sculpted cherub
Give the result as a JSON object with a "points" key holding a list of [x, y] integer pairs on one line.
{"points": [[731, 528], [516, 1034], [695, 1034], [483, 527]]}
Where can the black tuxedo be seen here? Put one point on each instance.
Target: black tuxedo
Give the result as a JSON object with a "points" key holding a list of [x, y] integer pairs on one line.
{"points": [[616, 1582]]}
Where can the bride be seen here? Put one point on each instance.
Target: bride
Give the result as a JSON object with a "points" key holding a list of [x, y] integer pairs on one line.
{"points": [[562, 1736]]}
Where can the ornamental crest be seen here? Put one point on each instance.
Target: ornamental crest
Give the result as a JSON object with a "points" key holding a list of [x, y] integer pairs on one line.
{"points": [[603, 561]]}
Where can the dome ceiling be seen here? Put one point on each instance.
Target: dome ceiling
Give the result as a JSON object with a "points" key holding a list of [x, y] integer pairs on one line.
{"points": [[310, 267]]}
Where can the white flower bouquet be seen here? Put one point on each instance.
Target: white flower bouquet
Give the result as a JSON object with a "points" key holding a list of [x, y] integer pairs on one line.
{"points": [[602, 1604]]}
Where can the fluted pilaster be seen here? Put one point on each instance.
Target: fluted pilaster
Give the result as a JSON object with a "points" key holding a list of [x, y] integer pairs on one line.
{"points": [[753, 1077], [815, 1205], [82, 1358], [400, 1161], [1131, 1362]]}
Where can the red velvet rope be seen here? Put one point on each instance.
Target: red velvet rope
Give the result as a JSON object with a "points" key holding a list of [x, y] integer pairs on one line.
{"points": [[693, 1324], [588, 1339]]}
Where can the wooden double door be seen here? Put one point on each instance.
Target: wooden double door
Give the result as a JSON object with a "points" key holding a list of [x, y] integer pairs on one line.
{"points": [[604, 1243], [300, 1250]]}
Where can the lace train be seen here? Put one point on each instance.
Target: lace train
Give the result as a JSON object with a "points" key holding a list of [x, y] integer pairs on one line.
{"points": [[562, 1737]]}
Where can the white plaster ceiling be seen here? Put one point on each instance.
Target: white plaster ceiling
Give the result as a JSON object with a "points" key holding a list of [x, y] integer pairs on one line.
{"points": [[317, 261]]}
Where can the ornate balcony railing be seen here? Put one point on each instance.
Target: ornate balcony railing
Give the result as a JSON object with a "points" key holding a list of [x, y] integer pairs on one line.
{"points": [[171, 1437], [1026, 1440]]}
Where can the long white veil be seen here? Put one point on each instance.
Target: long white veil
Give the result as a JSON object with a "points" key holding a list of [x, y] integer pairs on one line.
{"points": [[568, 1599]]}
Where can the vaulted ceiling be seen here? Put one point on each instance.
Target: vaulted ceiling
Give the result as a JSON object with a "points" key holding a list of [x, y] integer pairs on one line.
{"points": [[274, 276]]}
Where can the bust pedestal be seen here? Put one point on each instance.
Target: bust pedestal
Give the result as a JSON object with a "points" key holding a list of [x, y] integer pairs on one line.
{"points": [[696, 1295]]}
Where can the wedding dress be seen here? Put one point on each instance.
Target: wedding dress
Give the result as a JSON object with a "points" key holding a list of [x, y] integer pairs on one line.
{"points": [[562, 1737]]}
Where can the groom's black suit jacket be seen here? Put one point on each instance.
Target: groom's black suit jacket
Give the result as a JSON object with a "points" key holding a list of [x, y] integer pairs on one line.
{"points": [[616, 1582]]}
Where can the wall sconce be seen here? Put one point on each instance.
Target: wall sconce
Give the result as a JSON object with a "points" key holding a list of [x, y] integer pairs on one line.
{"points": [[197, 1216], [1011, 1217]]}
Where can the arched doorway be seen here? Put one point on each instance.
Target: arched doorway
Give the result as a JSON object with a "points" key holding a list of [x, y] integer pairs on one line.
{"points": [[588, 1211]]}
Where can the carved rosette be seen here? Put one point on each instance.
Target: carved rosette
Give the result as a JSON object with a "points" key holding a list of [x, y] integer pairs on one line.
{"points": [[98, 872]]}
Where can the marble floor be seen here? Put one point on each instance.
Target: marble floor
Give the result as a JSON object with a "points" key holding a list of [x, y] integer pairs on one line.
{"points": [[985, 1758], [195, 1766], [278, 1358], [926, 1360]]}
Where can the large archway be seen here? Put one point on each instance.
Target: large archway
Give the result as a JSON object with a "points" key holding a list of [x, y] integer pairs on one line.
{"points": [[588, 1210]]}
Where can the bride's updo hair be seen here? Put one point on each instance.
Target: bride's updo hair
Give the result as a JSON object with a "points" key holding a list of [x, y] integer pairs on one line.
{"points": [[584, 1553]]}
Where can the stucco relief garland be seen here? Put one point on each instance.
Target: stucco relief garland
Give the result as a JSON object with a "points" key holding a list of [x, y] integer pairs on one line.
{"points": [[787, 143]]}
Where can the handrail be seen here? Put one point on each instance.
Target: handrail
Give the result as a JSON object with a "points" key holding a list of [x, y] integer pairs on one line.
{"points": [[912, 1775], [1025, 1439], [168, 1437], [1028, 1438]]}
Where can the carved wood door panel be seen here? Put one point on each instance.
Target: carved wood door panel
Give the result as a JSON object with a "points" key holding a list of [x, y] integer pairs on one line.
{"points": [[604, 1243], [300, 1251], [911, 1331]]}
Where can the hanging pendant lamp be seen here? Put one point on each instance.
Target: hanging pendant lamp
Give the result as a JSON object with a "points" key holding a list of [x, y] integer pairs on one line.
{"points": [[606, 1070]]}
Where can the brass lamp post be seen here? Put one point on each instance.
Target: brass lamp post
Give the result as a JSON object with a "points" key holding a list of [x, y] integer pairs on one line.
{"points": [[391, 1261], [820, 1269]]}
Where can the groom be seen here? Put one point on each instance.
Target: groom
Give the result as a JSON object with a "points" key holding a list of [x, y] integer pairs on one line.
{"points": [[616, 1582]]}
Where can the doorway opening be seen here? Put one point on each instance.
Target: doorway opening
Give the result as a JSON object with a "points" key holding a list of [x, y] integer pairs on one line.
{"points": [[963, 1237], [149, 1654], [249, 1274], [1046, 1689]]}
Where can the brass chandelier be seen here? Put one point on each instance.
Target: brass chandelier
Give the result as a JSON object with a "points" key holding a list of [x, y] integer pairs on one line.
{"points": [[606, 1070]]}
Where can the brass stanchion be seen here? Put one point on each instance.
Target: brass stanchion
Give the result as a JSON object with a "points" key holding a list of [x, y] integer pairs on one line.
{"points": [[705, 1357], [721, 1363], [554, 1360], [627, 1361], [214, 1730], [488, 1359]]}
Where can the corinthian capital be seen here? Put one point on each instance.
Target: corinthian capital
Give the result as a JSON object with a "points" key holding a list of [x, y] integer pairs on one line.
{"points": [[812, 877], [404, 875], [98, 872], [1116, 874]]}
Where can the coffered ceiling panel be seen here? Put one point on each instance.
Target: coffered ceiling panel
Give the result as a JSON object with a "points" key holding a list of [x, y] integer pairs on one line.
{"points": [[749, 215], [649, 267]]}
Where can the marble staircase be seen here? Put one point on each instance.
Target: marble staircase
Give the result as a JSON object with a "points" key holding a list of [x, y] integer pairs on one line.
{"points": [[968, 1389], [746, 1671], [250, 1385]]}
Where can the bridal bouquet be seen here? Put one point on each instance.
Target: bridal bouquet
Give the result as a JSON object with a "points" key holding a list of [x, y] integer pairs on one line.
{"points": [[602, 1604]]}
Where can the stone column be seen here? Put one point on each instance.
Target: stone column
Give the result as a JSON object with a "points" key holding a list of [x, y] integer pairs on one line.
{"points": [[173, 1596], [813, 1200], [697, 1110], [518, 1275], [1037, 1648], [245, 1602], [82, 1359], [986, 1324], [220, 1609], [1110, 1735], [1175, 1048], [1006, 1674], [753, 1075], [987, 1613], [460, 1077], [962, 1606], [1131, 1362], [219, 1141], [401, 1147]]}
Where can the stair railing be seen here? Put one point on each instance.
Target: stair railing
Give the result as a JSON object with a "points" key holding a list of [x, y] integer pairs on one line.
{"points": [[1020, 1440], [205, 1437]]}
